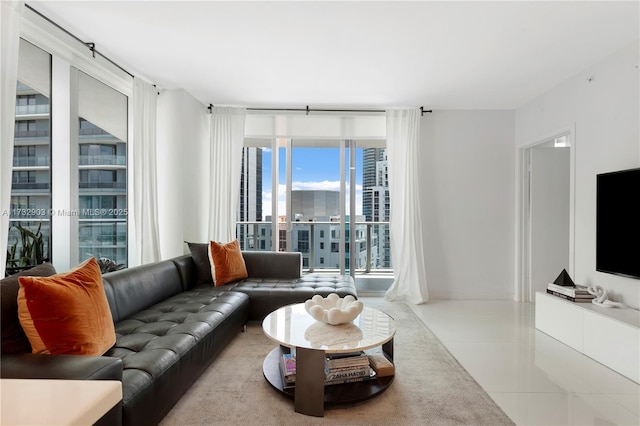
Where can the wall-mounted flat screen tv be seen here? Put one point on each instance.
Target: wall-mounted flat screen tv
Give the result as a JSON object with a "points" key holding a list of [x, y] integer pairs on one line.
{"points": [[618, 223]]}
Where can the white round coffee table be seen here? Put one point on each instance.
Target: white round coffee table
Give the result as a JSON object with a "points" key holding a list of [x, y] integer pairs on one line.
{"points": [[292, 327]]}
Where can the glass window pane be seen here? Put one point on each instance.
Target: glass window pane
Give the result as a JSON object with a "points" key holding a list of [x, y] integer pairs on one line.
{"points": [[375, 205], [253, 229], [102, 171], [31, 177], [315, 199]]}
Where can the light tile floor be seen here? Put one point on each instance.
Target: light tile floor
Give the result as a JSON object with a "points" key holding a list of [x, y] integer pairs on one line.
{"points": [[534, 378]]}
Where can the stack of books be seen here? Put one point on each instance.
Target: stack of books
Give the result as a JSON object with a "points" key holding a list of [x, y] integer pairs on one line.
{"points": [[288, 369], [346, 368], [341, 368], [574, 293]]}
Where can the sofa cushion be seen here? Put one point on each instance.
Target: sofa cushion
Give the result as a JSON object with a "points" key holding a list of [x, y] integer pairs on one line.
{"points": [[273, 264], [200, 255], [227, 262], [187, 271], [14, 340], [67, 313]]}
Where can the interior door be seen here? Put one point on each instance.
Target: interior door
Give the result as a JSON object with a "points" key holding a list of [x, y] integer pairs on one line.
{"points": [[549, 193]]}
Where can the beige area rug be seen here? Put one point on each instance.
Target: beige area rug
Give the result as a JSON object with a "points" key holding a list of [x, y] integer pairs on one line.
{"points": [[430, 387]]}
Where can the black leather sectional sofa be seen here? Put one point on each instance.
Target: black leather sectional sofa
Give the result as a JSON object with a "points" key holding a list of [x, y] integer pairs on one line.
{"points": [[169, 328]]}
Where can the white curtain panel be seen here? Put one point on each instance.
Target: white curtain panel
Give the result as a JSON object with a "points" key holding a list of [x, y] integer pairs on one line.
{"points": [[405, 223], [145, 100], [9, 42], [227, 139]]}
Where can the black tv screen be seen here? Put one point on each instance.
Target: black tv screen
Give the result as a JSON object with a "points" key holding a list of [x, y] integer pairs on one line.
{"points": [[618, 223]]}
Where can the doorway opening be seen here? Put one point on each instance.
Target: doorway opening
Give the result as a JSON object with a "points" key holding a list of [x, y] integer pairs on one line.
{"points": [[546, 212]]}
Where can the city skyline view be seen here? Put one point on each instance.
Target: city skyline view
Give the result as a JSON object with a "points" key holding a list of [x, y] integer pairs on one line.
{"points": [[315, 168], [315, 224]]}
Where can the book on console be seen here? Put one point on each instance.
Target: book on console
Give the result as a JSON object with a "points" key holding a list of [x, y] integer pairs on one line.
{"points": [[586, 299], [569, 290]]}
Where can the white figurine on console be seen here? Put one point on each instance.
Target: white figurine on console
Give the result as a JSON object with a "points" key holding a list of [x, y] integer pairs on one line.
{"points": [[601, 298]]}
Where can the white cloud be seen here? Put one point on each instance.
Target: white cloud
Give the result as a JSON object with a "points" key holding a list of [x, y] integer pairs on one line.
{"points": [[325, 185]]}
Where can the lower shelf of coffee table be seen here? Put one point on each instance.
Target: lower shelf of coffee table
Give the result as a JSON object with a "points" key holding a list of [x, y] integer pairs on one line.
{"points": [[344, 393]]}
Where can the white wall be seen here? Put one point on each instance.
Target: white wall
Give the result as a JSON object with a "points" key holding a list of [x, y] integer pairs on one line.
{"points": [[468, 183], [182, 171], [606, 115]]}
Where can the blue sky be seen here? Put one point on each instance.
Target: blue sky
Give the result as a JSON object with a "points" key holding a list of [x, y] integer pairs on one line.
{"points": [[313, 169]]}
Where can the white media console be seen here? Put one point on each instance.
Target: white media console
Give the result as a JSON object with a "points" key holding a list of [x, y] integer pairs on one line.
{"points": [[610, 336]]}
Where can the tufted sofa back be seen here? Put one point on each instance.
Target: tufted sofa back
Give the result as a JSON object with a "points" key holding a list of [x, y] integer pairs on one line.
{"points": [[273, 265], [132, 290]]}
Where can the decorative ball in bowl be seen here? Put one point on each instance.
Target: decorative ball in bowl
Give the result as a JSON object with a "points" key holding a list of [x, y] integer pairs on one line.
{"points": [[333, 309]]}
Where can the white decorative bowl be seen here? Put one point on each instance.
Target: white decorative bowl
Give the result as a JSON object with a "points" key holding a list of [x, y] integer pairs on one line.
{"points": [[333, 309]]}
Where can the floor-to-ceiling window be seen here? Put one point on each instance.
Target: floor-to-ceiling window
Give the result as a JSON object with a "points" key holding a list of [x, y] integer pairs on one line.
{"points": [[69, 180], [313, 193]]}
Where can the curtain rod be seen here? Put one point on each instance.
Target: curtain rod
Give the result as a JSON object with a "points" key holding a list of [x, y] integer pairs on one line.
{"points": [[91, 46], [307, 110]]}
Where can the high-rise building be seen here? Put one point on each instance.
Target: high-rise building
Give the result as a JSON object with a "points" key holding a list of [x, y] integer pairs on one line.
{"points": [[100, 139], [102, 191], [314, 203], [250, 207], [31, 169], [376, 203], [252, 236], [370, 159], [315, 206], [31, 174], [315, 235], [98, 168]]}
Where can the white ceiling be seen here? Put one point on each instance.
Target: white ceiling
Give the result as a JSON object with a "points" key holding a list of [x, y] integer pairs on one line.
{"points": [[489, 55]]}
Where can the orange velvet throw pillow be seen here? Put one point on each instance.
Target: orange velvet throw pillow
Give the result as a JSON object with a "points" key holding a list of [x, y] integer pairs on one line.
{"points": [[67, 313], [228, 262]]}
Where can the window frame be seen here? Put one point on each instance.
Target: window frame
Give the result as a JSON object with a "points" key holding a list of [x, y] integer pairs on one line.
{"points": [[282, 151]]}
